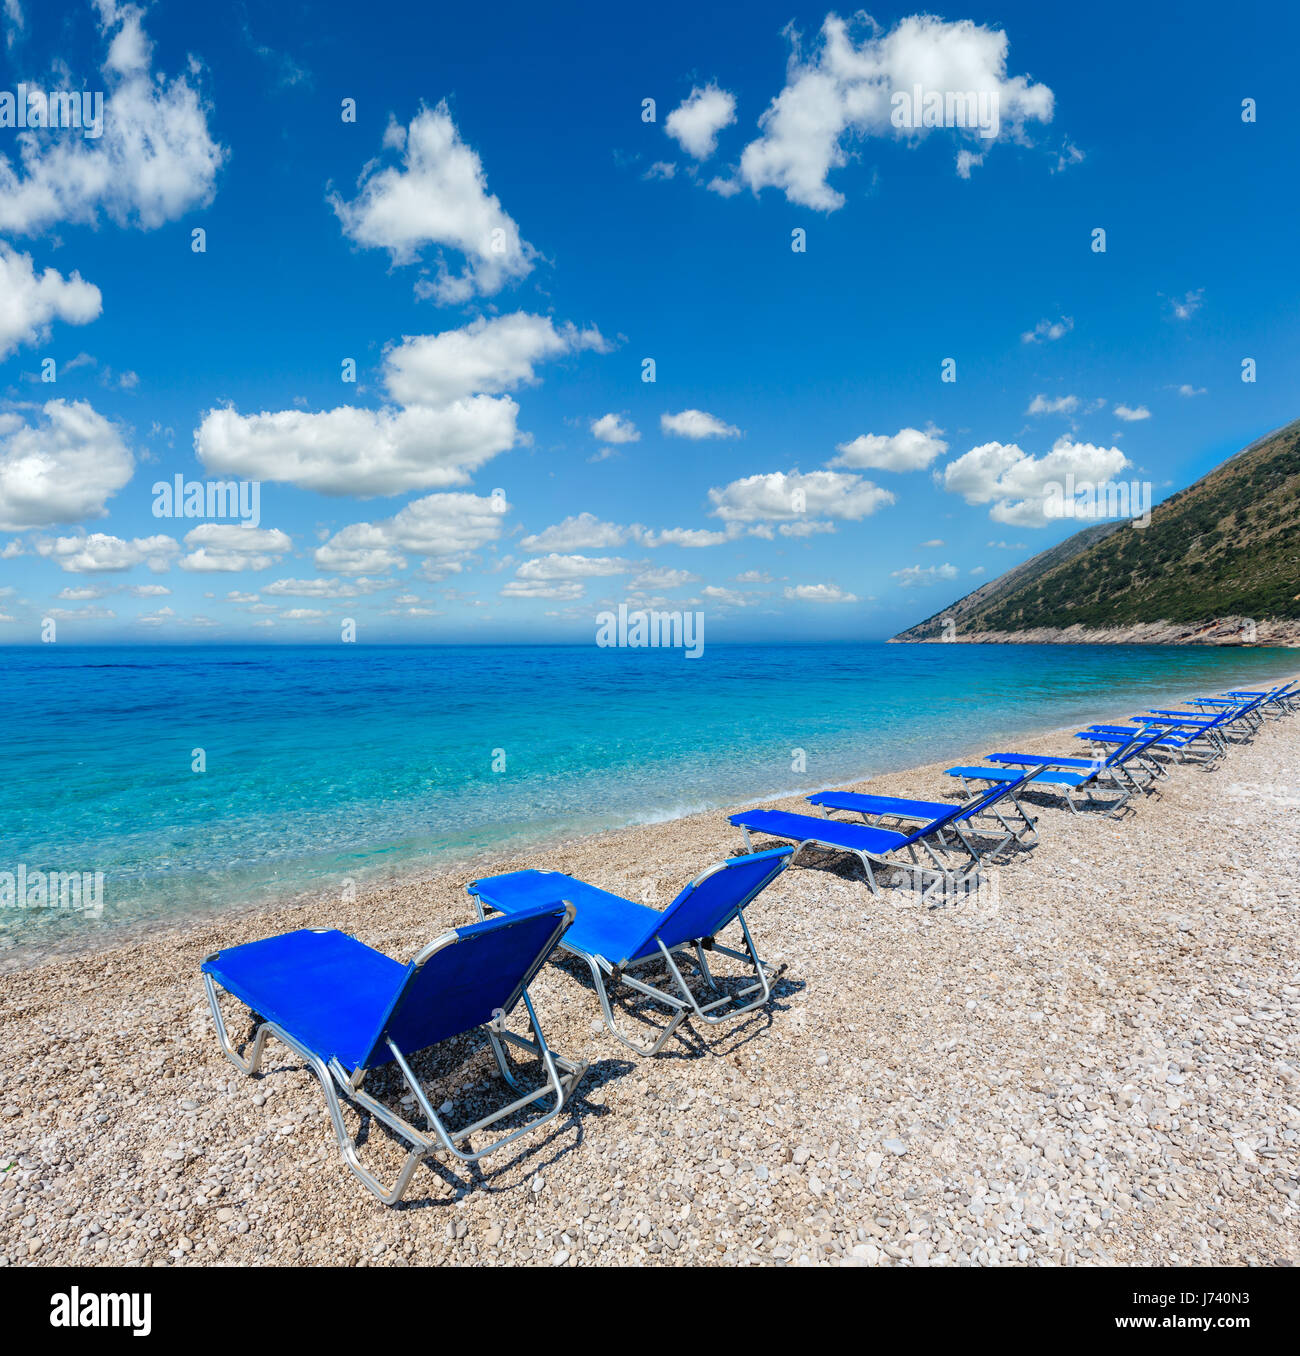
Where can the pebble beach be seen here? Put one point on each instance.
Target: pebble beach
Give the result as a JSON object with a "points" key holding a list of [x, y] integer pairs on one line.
{"points": [[1092, 1061]]}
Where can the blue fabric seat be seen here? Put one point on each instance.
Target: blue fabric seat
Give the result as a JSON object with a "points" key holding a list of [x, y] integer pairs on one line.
{"points": [[833, 832], [1042, 760], [1123, 734], [924, 811], [606, 924], [899, 807], [329, 989], [1169, 738], [987, 774], [1073, 774], [1051, 776]]}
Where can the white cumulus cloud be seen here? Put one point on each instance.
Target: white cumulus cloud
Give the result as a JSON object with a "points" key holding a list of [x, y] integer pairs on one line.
{"points": [[444, 526], [100, 553], [1042, 404], [438, 196], [1016, 483], [842, 91], [557, 566], [536, 588], [1048, 331], [326, 588], [614, 428], [725, 597], [696, 424], [154, 161], [907, 450], [693, 537], [662, 577], [695, 123], [351, 451], [777, 496], [30, 301], [484, 357], [578, 532], [227, 548], [60, 466], [912, 575], [819, 593], [436, 439]]}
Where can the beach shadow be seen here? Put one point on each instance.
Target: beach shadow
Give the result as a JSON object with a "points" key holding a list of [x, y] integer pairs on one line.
{"points": [[564, 1137], [465, 1057]]}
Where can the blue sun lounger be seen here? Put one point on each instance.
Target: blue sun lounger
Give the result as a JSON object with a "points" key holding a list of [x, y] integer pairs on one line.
{"points": [[1284, 697], [1183, 732], [1237, 712], [1242, 720], [1277, 701], [1063, 776], [346, 1010], [1195, 720], [892, 811], [936, 837], [1170, 740], [621, 940]]}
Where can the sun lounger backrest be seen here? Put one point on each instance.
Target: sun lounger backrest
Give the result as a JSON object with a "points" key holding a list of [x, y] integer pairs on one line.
{"points": [[1144, 738], [714, 897], [1134, 748], [459, 984]]}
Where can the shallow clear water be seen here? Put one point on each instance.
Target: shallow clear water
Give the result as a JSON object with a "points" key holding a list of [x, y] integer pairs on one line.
{"points": [[324, 763]]}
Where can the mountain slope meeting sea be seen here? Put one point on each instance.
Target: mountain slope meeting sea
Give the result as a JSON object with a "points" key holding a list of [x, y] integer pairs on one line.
{"points": [[1218, 564]]}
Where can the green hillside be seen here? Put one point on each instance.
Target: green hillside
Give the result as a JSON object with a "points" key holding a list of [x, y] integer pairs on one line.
{"points": [[1227, 546]]}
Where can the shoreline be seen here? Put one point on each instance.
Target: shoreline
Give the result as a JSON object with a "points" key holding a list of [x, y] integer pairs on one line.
{"points": [[1224, 635], [197, 895], [1099, 1051], [24, 957]]}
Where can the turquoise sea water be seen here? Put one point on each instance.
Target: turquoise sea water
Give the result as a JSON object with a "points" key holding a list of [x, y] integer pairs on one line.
{"points": [[324, 763]]}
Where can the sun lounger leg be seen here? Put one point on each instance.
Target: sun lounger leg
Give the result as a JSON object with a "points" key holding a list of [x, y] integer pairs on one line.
{"points": [[606, 1007], [871, 877], [389, 1195], [558, 1085], [702, 961], [761, 986], [248, 1065], [562, 1077], [324, 1076]]}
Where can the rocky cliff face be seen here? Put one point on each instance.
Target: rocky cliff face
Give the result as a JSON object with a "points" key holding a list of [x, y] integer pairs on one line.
{"points": [[1227, 631]]}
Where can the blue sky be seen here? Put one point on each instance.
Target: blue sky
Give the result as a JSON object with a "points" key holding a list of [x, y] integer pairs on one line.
{"points": [[501, 239]]}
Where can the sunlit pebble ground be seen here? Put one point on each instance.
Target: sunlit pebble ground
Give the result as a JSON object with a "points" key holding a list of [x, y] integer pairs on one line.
{"points": [[1098, 1067]]}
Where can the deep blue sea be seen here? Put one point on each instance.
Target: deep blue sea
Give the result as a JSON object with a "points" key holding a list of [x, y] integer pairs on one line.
{"points": [[327, 763]]}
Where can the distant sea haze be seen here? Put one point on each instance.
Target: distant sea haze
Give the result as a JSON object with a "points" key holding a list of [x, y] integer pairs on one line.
{"points": [[196, 778]]}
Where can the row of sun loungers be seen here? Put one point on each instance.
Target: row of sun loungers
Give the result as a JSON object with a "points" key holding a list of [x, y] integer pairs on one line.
{"points": [[938, 831], [349, 1011]]}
